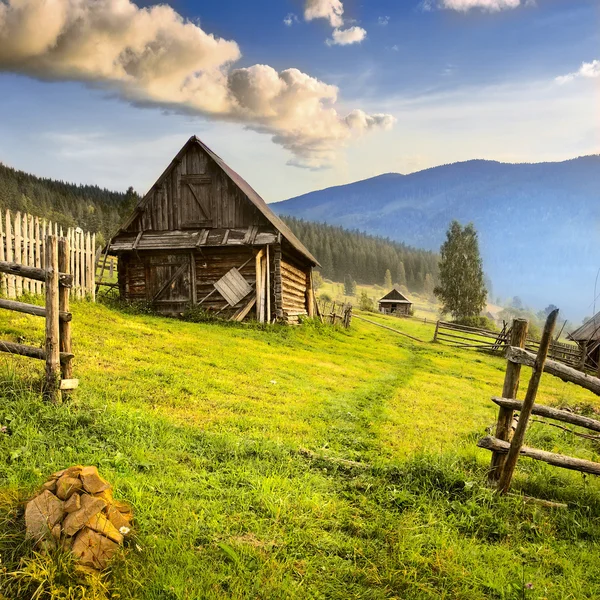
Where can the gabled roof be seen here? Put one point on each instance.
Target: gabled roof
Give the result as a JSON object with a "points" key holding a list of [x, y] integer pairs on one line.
{"points": [[588, 332], [395, 296], [242, 184]]}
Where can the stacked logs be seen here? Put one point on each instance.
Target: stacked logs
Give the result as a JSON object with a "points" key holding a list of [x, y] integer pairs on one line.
{"points": [[76, 511]]}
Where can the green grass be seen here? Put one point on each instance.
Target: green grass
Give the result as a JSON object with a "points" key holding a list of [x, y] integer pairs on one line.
{"points": [[199, 427]]}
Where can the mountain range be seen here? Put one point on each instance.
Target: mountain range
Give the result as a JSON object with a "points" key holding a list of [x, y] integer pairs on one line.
{"points": [[538, 224]]}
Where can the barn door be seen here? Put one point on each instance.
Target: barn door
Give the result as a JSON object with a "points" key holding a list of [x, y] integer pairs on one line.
{"points": [[196, 205], [168, 280]]}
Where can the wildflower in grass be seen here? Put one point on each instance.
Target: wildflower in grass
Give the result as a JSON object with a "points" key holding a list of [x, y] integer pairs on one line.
{"points": [[124, 530], [529, 586]]}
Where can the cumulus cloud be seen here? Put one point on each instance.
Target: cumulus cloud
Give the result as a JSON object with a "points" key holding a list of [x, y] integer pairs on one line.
{"points": [[343, 37], [152, 56], [466, 5], [588, 70], [332, 10]]}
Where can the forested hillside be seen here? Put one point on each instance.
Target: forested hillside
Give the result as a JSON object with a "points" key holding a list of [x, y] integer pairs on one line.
{"points": [[341, 252]]}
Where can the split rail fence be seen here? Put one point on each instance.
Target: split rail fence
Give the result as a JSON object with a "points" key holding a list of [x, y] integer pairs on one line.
{"points": [[57, 347], [22, 241], [335, 312], [506, 447], [462, 336]]}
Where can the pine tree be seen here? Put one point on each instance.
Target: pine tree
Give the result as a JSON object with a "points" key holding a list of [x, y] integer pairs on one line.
{"points": [[348, 284], [387, 280], [461, 289]]}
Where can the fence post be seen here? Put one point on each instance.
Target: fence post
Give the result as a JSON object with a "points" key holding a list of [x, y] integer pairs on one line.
{"points": [[52, 383], [63, 305], [511, 387], [538, 369], [437, 326]]}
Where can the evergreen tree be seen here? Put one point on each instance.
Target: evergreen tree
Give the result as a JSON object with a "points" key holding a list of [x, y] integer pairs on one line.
{"points": [[387, 280], [348, 285], [461, 290]]}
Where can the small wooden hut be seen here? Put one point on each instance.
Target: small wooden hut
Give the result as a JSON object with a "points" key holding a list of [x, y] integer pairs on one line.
{"points": [[202, 236], [395, 303], [587, 338]]}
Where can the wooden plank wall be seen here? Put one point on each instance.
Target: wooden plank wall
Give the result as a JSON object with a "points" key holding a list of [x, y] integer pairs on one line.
{"points": [[172, 205], [294, 286], [22, 240]]}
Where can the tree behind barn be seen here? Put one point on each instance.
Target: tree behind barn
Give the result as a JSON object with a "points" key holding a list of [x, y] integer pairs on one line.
{"points": [[462, 289]]}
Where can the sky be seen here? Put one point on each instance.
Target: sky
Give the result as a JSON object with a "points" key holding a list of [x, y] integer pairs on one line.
{"points": [[295, 95]]}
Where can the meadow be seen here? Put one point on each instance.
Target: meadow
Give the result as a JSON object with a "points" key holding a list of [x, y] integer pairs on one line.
{"points": [[232, 442]]}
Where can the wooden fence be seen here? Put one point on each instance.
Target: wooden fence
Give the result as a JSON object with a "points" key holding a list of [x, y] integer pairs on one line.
{"points": [[335, 313], [22, 241], [496, 342], [57, 348], [505, 446]]}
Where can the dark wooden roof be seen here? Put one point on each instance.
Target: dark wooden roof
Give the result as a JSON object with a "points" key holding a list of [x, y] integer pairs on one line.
{"points": [[240, 182], [396, 297], [588, 332]]}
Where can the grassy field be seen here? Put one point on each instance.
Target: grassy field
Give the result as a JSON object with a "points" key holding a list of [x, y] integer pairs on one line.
{"points": [[202, 427]]}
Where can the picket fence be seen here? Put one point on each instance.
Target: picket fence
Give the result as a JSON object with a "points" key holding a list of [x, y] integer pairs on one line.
{"points": [[22, 241]]}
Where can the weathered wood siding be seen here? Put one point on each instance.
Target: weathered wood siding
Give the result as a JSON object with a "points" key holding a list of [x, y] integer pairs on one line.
{"points": [[196, 193], [294, 286]]}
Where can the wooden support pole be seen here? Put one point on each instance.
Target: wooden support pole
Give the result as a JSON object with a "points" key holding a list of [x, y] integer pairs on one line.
{"points": [[268, 286], [52, 382], [29, 351], [63, 303], [435, 335], [517, 442], [32, 272], [31, 309], [259, 290], [310, 295], [518, 337]]}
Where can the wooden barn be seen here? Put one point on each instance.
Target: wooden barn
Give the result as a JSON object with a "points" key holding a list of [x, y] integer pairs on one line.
{"points": [[396, 304], [587, 338], [202, 236]]}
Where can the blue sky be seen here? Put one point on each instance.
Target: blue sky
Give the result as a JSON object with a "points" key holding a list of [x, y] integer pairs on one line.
{"points": [[429, 83]]}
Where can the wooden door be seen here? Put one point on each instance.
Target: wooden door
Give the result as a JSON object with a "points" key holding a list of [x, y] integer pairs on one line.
{"points": [[196, 201], [168, 281]]}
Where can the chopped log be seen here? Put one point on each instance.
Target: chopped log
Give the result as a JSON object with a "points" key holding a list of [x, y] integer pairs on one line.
{"points": [[556, 460], [32, 273], [31, 309], [515, 446], [29, 351], [69, 384], [551, 413], [523, 357], [518, 338], [389, 328]]}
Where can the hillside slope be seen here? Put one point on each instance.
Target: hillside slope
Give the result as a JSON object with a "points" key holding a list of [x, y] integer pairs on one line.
{"points": [[539, 224]]}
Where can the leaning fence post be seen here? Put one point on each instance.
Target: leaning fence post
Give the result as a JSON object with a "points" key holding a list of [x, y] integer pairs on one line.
{"points": [[52, 384], [518, 337], [517, 441], [437, 326]]}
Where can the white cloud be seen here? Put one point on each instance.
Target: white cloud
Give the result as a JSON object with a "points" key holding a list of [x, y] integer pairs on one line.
{"points": [[332, 10], [344, 37], [587, 71], [152, 56], [466, 5], [290, 19], [383, 20]]}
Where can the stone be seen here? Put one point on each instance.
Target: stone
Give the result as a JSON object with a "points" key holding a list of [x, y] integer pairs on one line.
{"points": [[71, 472], [66, 486], [93, 550], [50, 485], [92, 482], [102, 525], [42, 514], [73, 503], [117, 518], [56, 531], [76, 520], [106, 495]]}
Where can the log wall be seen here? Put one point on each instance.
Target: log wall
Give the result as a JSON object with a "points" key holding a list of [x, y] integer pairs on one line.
{"points": [[294, 288]]}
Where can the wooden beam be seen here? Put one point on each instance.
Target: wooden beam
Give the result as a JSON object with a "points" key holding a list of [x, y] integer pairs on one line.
{"points": [[551, 413], [268, 286], [515, 446], [259, 292], [557, 460], [31, 309], [52, 343], [569, 374], [32, 273], [29, 351], [241, 314], [518, 337], [66, 369]]}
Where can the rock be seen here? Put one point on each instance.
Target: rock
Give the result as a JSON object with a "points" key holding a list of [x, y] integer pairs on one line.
{"points": [[42, 514], [56, 530], [73, 503], [102, 525], [71, 472], [117, 518], [92, 482], [66, 486], [106, 495], [50, 485], [76, 520], [93, 550]]}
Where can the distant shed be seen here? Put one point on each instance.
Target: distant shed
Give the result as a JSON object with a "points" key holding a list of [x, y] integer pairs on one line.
{"points": [[202, 236], [587, 337], [395, 303]]}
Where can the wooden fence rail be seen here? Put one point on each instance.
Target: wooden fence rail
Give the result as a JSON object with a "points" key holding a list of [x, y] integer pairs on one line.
{"points": [[57, 347], [22, 244], [335, 313]]}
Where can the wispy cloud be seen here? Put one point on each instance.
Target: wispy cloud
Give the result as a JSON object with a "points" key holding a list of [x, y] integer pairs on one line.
{"points": [[466, 5], [383, 20], [344, 37], [152, 56], [290, 19], [588, 70]]}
